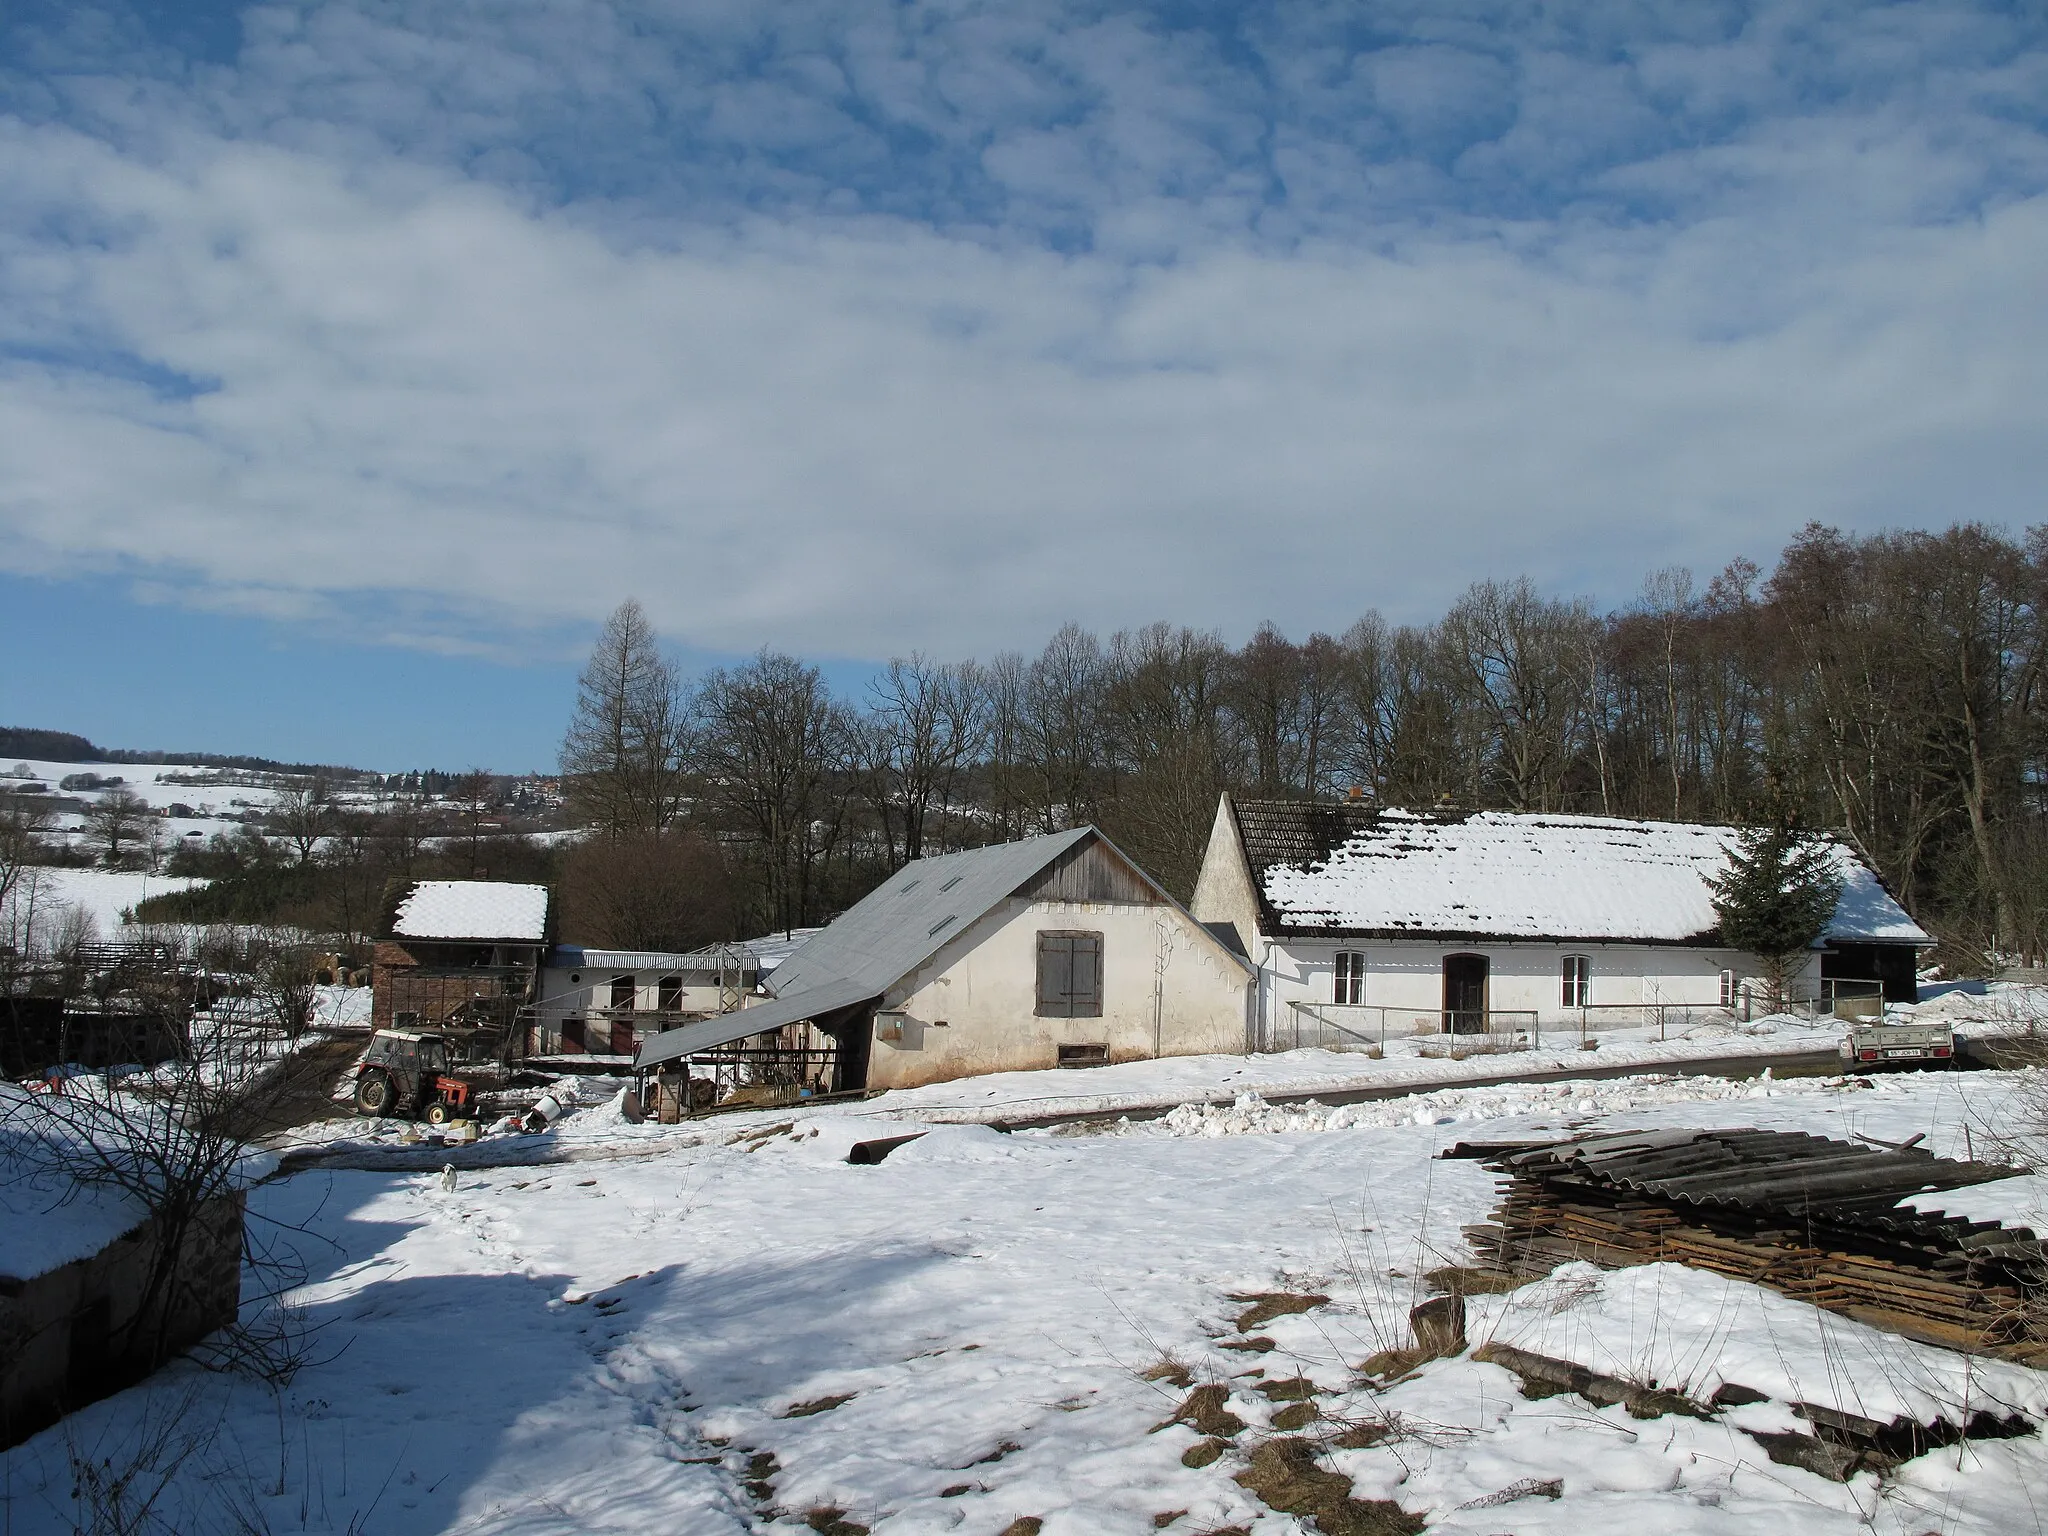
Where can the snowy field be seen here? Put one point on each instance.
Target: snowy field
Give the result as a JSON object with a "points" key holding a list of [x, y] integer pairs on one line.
{"points": [[727, 1328], [105, 894]]}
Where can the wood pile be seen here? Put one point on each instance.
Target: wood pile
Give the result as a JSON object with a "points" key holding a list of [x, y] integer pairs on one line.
{"points": [[1812, 1218]]}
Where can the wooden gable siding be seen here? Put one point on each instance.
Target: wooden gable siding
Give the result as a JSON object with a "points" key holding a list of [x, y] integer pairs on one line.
{"points": [[1090, 872]]}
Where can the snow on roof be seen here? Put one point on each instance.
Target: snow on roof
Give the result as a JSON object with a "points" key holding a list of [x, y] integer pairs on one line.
{"points": [[1500, 874], [47, 1218], [473, 909]]}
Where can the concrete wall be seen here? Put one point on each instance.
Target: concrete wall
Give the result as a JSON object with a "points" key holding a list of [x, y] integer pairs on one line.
{"points": [[56, 1328], [1168, 989]]}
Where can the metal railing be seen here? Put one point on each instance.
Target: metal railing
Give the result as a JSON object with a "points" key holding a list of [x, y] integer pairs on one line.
{"points": [[1368, 1026]]}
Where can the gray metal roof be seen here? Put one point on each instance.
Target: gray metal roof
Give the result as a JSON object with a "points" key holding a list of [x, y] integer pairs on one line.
{"points": [[581, 956], [902, 923]]}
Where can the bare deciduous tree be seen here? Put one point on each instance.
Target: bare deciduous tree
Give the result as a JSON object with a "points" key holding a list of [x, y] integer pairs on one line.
{"points": [[117, 824]]}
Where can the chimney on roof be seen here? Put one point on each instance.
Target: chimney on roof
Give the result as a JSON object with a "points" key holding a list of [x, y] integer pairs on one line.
{"points": [[1357, 792]]}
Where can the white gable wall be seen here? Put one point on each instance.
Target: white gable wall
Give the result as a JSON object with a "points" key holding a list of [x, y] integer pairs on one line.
{"points": [[1168, 989]]}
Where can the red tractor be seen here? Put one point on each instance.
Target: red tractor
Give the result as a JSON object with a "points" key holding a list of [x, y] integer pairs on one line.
{"points": [[405, 1074]]}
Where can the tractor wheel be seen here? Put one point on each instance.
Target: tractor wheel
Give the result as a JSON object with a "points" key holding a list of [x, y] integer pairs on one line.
{"points": [[440, 1112], [374, 1094]]}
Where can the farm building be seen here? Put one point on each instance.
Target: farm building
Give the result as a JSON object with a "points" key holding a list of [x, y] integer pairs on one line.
{"points": [[461, 956], [1363, 923], [1052, 951], [606, 1002], [78, 1318]]}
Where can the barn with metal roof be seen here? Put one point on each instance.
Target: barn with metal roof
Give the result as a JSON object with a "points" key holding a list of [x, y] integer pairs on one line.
{"points": [[1051, 951]]}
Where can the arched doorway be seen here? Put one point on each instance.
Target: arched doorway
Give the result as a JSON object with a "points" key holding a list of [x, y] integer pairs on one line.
{"points": [[1465, 994]]}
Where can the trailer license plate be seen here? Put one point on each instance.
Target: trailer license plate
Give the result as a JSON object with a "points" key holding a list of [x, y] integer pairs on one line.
{"points": [[1907, 1050]]}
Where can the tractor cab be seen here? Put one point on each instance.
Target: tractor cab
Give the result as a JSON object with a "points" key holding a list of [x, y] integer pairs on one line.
{"points": [[405, 1073]]}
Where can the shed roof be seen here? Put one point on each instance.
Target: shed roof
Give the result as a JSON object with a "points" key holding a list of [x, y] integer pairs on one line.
{"points": [[1359, 870], [581, 956], [473, 909]]}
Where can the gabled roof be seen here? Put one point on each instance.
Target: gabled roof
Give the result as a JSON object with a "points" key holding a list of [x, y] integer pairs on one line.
{"points": [[1357, 871], [473, 910], [891, 932]]}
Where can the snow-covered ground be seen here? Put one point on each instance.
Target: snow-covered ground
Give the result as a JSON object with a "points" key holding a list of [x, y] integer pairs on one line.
{"points": [[966, 1336], [105, 894]]}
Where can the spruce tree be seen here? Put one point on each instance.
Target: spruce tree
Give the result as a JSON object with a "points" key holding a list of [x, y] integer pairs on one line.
{"points": [[1776, 897]]}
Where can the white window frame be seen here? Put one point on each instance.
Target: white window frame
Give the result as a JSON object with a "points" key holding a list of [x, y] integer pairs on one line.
{"points": [[1575, 981], [1347, 978], [1731, 992]]}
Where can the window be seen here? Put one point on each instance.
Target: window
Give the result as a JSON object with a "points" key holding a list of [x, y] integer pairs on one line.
{"points": [[1069, 975], [668, 994], [1728, 994], [622, 991], [1350, 983], [1084, 1055], [405, 1021], [1578, 981]]}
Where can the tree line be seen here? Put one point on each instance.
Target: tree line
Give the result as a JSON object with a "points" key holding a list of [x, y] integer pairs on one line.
{"points": [[1886, 686]]}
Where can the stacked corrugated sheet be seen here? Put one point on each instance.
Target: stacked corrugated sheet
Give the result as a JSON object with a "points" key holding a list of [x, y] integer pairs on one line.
{"points": [[1811, 1217]]}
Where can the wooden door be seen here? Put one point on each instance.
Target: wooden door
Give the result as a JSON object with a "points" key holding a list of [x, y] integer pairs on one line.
{"points": [[1465, 994]]}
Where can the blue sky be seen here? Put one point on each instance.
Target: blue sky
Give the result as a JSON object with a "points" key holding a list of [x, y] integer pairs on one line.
{"points": [[390, 345]]}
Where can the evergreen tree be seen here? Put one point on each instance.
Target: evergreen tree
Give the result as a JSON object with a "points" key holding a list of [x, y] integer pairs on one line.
{"points": [[1776, 897]]}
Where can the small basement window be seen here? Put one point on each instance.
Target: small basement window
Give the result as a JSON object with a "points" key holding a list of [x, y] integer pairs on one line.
{"points": [[1092, 1055], [1577, 981]]}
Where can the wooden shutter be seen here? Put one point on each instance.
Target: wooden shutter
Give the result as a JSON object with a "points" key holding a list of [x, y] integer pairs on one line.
{"points": [[1055, 975], [1084, 992]]}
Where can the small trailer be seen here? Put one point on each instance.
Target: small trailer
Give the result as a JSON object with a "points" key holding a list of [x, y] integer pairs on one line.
{"points": [[1877, 1044]]}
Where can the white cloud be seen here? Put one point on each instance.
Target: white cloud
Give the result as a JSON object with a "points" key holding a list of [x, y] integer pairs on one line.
{"points": [[429, 392]]}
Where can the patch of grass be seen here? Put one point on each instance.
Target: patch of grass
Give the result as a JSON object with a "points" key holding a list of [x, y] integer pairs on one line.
{"points": [[1203, 1411], [818, 1405], [1267, 1305], [1169, 1370], [827, 1521], [1285, 1476]]}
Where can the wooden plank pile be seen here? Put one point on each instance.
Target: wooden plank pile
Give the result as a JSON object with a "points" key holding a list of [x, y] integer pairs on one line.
{"points": [[1812, 1218]]}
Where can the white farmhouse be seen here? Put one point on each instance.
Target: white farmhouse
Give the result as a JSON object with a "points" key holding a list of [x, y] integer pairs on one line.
{"points": [[1364, 923], [1051, 951]]}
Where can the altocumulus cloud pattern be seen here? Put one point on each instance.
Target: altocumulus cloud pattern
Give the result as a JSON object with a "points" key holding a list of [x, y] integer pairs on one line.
{"points": [[856, 326]]}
